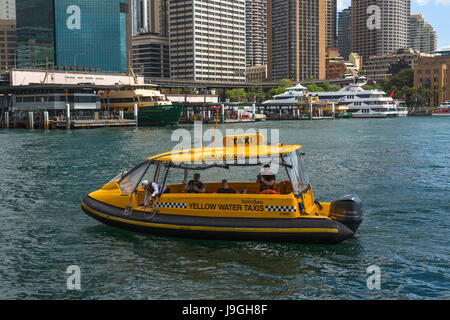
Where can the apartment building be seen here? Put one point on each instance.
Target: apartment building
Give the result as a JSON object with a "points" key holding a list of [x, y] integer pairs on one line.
{"points": [[256, 34], [344, 39], [8, 44], [379, 27], [7, 9], [434, 73], [331, 23], [421, 35], [207, 40], [382, 67], [296, 39]]}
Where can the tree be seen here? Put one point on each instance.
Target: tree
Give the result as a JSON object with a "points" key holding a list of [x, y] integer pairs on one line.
{"points": [[236, 95], [444, 90], [314, 88], [285, 83], [436, 93], [372, 87], [258, 93], [403, 78], [327, 87]]}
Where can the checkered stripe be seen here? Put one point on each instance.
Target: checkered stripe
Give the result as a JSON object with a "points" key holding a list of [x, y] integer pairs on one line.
{"points": [[171, 205], [281, 208]]}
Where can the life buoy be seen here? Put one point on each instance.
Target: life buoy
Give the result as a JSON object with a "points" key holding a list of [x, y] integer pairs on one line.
{"points": [[269, 191]]}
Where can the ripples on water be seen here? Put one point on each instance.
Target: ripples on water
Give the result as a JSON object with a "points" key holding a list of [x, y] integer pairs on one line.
{"points": [[399, 168]]}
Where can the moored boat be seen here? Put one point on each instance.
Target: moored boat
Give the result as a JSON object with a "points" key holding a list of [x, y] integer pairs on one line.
{"points": [[286, 211], [152, 107], [443, 111]]}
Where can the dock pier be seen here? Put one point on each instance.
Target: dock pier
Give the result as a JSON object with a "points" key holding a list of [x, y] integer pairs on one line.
{"points": [[67, 121], [229, 113]]}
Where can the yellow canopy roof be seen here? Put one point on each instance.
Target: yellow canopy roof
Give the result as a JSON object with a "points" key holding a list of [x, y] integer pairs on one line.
{"points": [[212, 155]]}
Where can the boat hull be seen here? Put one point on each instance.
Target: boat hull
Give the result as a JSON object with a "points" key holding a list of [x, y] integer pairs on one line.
{"points": [[158, 115], [298, 230], [441, 114]]}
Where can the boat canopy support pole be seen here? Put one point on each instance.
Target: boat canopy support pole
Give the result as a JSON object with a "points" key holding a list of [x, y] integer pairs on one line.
{"points": [[185, 176]]}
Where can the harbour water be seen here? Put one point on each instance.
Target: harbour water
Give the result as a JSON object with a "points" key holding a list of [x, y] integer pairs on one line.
{"points": [[398, 167]]}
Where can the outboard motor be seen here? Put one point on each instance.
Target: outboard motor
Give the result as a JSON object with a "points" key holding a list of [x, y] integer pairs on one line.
{"points": [[348, 211]]}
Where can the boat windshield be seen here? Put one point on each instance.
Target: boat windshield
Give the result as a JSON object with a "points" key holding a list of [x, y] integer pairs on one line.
{"points": [[130, 181], [296, 170]]}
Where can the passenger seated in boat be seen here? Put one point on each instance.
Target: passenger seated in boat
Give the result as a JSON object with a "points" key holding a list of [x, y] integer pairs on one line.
{"points": [[195, 186], [152, 188], [266, 179], [225, 188]]}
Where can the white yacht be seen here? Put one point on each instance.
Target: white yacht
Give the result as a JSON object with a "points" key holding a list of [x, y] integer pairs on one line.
{"points": [[402, 109], [292, 95], [363, 103]]}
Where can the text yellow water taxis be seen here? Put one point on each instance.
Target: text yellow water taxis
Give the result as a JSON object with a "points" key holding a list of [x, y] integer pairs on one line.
{"points": [[285, 212]]}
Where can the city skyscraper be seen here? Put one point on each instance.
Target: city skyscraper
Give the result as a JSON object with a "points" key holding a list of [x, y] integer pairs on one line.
{"points": [[331, 28], [256, 34], [74, 35], [344, 40], [7, 9], [149, 16], [150, 42], [207, 40], [379, 27], [296, 39], [8, 44], [421, 35]]}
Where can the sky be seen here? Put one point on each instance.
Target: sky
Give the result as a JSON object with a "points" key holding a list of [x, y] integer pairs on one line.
{"points": [[436, 13]]}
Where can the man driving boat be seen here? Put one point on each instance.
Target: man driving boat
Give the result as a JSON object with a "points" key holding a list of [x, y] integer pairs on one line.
{"points": [[266, 179], [195, 186]]}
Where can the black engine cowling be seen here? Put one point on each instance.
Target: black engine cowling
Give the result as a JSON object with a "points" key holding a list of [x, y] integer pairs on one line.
{"points": [[348, 211]]}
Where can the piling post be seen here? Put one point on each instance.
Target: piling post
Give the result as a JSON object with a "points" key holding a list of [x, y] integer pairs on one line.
{"points": [[222, 113], [333, 110], [136, 114], [46, 121], [310, 111], [121, 115], [6, 125], [30, 120], [68, 120]]}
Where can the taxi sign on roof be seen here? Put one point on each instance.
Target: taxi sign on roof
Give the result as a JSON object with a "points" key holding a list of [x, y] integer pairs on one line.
{"points": [[243, 140]]}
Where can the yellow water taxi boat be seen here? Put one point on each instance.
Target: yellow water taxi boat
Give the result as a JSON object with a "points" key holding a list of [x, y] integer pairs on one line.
{"points": [[285, 211]]}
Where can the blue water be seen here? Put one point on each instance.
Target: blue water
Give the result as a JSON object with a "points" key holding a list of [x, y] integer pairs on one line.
{"points": [[398, 167]]}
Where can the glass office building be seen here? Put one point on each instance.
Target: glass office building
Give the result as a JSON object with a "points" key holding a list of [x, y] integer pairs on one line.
{"points": [[35, 33], [83, 35]]}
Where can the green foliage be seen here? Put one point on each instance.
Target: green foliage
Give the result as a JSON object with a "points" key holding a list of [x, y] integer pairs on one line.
{"points": [[327, 87], [236, 95], [285, 83], [404, 78], [372, 87], [258, 93], [314, 88]]}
